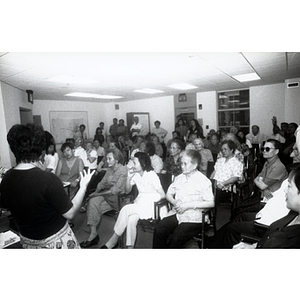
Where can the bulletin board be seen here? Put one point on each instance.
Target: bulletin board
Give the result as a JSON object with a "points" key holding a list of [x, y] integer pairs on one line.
{"points": [[64, 124]]}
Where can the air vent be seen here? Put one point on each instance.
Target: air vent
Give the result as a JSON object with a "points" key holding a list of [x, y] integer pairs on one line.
{"points": [[292, 85]]}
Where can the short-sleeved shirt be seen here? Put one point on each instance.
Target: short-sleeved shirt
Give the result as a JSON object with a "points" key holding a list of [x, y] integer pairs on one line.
{"points": [[273, 174], [227, 169], [87, 163], [51, 162], [160, 132], [196, 184], [37, 201], [114, 180]]}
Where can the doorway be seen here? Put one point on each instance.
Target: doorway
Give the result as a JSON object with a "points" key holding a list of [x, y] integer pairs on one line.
{"points": [[26, 116]]}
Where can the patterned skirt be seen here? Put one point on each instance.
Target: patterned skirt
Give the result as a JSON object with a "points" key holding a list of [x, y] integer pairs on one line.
{"points": [[63, 239]]}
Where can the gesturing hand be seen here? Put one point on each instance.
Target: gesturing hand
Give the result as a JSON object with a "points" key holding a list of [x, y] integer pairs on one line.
{"points": [[85, 177]]}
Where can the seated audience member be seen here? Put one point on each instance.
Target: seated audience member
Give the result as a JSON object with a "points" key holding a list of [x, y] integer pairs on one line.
{"points": [[273, 173], [195, 128], [175, 135], [81, 133], [90, 161], [105, 198], [242, 138], [79, 149], [156, 161], [189, 143], [289, 143], [234, 129], [136, 142], [70, 141], [158, 148], [246, 222], [256, 137], [172, 164], [214, 145], [227, 170], [99, 149], [181, 128], [285, 232], [150, 191], [136, 128], [238, 149], [206, 155], [141, 148], [99, 135], [69, 168], [189, 194], [37, 199], [51, 158]]}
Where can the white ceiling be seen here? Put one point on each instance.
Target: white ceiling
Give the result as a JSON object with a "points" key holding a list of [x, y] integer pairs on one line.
{"points": [[119, 74]]}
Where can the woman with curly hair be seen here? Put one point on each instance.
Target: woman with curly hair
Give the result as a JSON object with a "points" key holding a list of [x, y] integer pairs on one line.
{"points": [[37, 199], [150, 191]]}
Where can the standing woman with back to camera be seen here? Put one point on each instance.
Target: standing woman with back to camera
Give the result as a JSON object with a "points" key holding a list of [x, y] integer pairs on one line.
{"points": [[36, 198]]}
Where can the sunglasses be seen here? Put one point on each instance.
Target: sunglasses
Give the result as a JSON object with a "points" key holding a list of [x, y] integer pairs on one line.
{"points": [[266, 148]]}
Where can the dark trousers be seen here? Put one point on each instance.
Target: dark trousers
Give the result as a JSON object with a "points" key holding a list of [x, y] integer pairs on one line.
{"points": [[169, 234], [230, 234]]}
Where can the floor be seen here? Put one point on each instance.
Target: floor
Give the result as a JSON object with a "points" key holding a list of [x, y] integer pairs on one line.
{"points": [[144, 239]]}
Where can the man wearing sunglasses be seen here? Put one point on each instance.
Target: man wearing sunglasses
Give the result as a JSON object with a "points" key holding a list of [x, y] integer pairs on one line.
{"points": [[273, 173]]}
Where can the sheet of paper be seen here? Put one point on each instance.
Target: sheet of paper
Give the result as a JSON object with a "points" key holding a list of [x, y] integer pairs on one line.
{"points": [[8, 238]]}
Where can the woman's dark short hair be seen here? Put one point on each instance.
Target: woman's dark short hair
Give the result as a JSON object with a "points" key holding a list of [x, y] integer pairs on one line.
{"points": [[194, 155], [27, 142], [179, 143], [231, 144], [157, 122], [295, 176], [150, 148], [66, 145], [117, 154], [144, 160]]}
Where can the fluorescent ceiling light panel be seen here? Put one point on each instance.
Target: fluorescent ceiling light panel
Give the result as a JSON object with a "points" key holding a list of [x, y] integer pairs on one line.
{"points": [[71, 79], [148, 91], [87, 95], [246, 77], [182, 86]]}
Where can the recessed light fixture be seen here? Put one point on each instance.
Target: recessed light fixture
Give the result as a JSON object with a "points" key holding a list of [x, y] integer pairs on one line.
{"points": [[246, 77], [148, 91], [71, 79], [182, 86], [87, 95]]}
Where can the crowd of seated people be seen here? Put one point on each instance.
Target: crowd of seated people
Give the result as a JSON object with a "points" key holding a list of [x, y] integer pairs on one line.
{"points": [[120, 157]]}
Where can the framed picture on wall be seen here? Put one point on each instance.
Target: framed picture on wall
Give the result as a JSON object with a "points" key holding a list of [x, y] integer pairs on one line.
{"points": [[182, 98]]}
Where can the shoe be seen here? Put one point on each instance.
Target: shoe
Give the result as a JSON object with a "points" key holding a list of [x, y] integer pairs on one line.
{"points": [[87, 244], [105, 247]]}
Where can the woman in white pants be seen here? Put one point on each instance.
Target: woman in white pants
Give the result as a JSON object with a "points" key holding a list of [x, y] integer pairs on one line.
{"points": [[150, 191]]}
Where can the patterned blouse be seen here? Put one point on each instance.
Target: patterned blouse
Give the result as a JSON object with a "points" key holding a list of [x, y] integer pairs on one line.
{"points": [[228, 169], [172, 167]]}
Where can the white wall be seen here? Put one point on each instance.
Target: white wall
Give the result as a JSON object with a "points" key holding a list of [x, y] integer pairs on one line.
{"points": [[96, 112], [12, 100], [209, 112], [265, 102], [161, 109], [292, 102]]}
